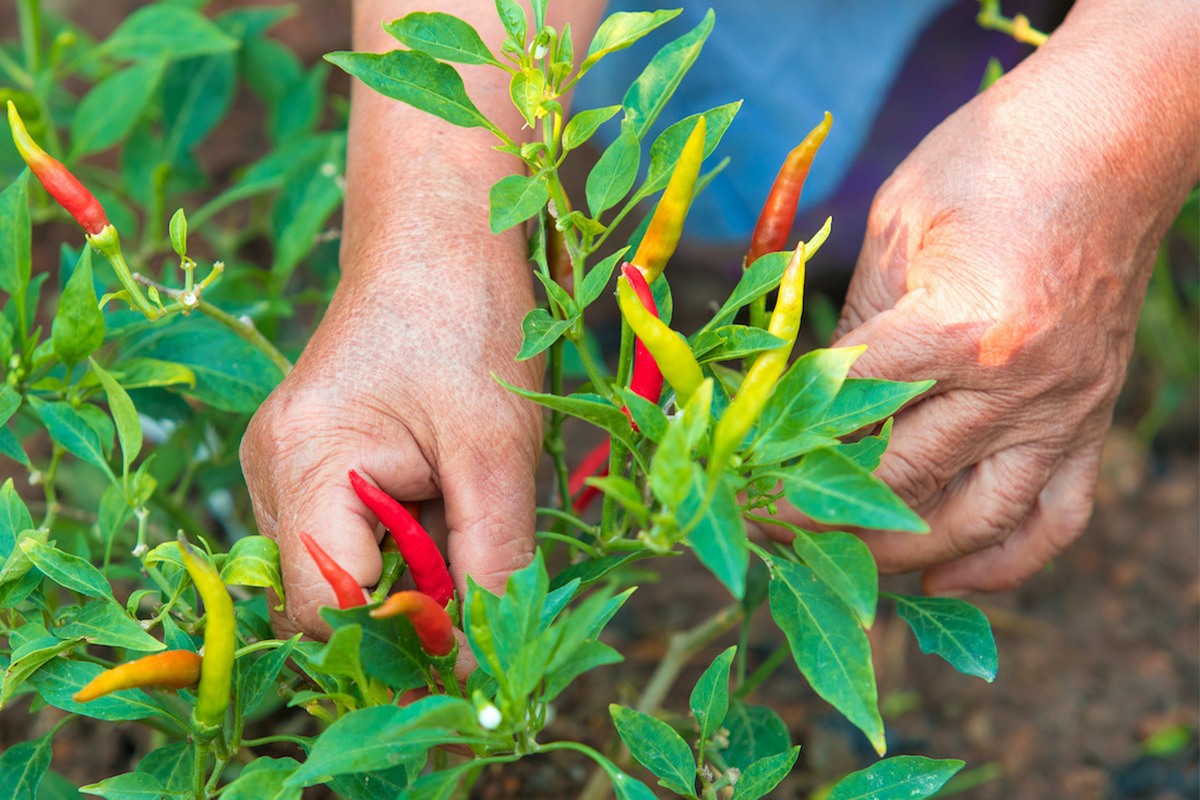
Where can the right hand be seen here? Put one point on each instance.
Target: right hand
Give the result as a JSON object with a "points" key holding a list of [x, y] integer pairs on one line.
{"points": [[397, 384]]}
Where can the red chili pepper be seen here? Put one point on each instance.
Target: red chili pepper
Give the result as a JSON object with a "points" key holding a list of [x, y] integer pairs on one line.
{"points": [[593, 461], [348, 591], [647, 379], [176, 669], [775, 221], [428, 618], [58, 180], [424, 560]]}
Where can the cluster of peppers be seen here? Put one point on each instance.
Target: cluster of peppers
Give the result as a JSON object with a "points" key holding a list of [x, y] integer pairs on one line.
{"points": [[660, 352]]}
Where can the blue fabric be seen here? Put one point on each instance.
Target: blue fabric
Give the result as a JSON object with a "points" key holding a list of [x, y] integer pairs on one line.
{"points": [[790, 61]]}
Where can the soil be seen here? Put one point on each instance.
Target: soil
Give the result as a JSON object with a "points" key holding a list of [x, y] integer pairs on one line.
{"points": [[1096, 655]]}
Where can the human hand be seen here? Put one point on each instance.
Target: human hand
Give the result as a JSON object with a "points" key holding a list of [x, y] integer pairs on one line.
{"points": [[1007, 258], [397, 384]]}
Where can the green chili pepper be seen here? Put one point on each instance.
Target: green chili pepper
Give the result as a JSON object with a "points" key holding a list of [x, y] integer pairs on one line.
{"points": [[212, 698], [662, 235], [669, 349]]}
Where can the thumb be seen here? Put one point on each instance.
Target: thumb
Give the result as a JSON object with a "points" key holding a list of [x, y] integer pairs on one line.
{"points": [[490, 511]]}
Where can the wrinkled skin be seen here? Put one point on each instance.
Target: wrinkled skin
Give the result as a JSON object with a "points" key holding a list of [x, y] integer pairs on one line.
{"points": [[1007, 257]]}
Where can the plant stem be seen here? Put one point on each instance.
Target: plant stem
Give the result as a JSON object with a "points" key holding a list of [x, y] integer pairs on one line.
{"points": [[48, 486], [682, 648], [578, 338], [764, 671], [30, 20], [555, 445], [1017, 27], [199, 768]]}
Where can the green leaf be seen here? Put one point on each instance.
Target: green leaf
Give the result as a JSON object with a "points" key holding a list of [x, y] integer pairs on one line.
{"points": [[129, 427], [585, 123], [14, 517], [390, 650], [588, 407], [22, 766], [622, 29], [868, 451], [67, 570], [104, 622], [59, 679], [649, 418], [178, 233], [592, 570], [710, 698], [109, 111], [650, 92], [755, 733], [27, 659], [417, 79], [382, 736], [303, 208], [140, 373], [270, 69], [253, 561], [527, 89], [667, 148], [719, 536], [799, 399], [443, 36], [832, 489], [587, 656], [658, 748], [78, 327], [15, 237], [262, 779], [67, 427], [254, 677], [597, 278], [514, 199], [128, 786], [828, 644], [845, 564], [299, 109], [953, 629], [732, 342], [863, 401], [765, 774], [166, 28], [338, 657], [173, 765], [900, 778], [541, 330], [197, 93], [614, 173], [513, 17], [10, 446]]}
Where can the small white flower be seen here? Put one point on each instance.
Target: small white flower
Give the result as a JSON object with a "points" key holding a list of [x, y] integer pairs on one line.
{"points": [[490, 717]]}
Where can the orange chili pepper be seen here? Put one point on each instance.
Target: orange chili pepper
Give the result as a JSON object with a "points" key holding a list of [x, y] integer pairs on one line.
{"points": [[176, 669]]}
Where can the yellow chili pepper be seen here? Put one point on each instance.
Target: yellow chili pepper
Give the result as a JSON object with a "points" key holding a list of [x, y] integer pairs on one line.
{"points": [[746, 407], [220, 625], [662, 235], [670, 351], [176, 669]]}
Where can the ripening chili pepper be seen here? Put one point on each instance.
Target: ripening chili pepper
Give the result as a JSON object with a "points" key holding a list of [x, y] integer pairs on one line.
{"points": [[662, 235], [424, 560], [175, 669], [220, 642], [760, 379], [429, 620], [646, 380], [778, 213], [669, 349], [593, 461], [347, 590], [58, 180]]}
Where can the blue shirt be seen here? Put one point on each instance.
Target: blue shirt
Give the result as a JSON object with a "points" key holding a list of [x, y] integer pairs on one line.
{"points": [[789, 61]]}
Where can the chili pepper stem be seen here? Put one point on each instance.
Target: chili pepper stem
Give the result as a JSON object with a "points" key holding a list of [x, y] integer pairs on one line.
{"points": [[579, 339], [108, 244]]}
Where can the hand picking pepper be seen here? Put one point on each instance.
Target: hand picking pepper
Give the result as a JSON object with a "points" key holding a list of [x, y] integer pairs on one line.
{"points": [[669, 350], [58, 180], [760, 379], [597, 460], [220, 641], [662, 235], [424, 560], [778, 213], [345, 587], [430, 620], [175, 669]]}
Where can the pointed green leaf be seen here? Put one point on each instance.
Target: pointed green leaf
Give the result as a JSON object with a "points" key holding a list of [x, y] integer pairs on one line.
{"points": [[801, 397], [417, 79], [14, 517], [527, 89], [129, 426], [263, 779], [178, 232], [67, 570], [862, 401], [621, 29], [667, 148], [658, 748], [15, 238], [253, 561], [128, 786], [106, 623], [719, 535], [828, 644], [649, 93], [597, 278], [868, 451], [614, 173], [733, 342], [832, 489], [22, 766], [109, 111], [755, 733], [59, 679], [953, 629], [443, 36], [27, 659], [584, 123], [845, 564], [68, 427], [173, 765], [765, 774], [900, 778], [710, 698], [541, 330], [514, 199], [166, 28]]}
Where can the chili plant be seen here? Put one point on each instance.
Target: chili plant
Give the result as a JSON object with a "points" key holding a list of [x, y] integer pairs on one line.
{"points": [[702, 431]]}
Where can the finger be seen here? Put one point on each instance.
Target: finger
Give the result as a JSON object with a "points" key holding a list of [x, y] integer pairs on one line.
{"points": [[1058, 518], [879, 276], [490, 500], [979, 508], [908, 344]]}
